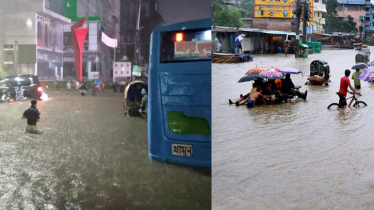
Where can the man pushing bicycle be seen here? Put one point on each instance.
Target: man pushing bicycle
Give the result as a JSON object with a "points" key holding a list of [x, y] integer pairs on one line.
{"points": [[344, 84]]}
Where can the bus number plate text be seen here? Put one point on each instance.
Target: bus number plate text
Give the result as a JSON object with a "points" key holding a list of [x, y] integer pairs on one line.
{"points": [[181, 150]]}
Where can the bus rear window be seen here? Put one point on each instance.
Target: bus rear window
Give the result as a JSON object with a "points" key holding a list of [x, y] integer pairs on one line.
{"points": [[189, 45]]}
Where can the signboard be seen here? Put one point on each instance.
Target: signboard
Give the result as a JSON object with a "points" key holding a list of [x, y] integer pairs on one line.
{"points": [[309, 29], [192, 49], [122, 69], [93, 75], [136, 71], [108, 41]]}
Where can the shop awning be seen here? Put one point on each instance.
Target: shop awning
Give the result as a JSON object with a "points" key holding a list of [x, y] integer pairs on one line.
{"points": [[303, 45]]}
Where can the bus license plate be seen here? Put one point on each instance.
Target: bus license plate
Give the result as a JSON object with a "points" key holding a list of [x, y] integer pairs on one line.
{"points": [[181, 150]]}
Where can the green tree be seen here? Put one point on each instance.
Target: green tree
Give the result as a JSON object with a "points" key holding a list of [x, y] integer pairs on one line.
{"points": [[225, 15], [332, 20], [247, 8]]}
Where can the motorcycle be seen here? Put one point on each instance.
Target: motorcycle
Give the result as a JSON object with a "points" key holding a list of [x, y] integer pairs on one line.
{"points": [[83, 92]]}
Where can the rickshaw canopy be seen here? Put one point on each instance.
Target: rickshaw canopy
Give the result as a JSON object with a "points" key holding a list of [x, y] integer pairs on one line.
{"points": [[133, 90], [320, 68], [362, 57]]}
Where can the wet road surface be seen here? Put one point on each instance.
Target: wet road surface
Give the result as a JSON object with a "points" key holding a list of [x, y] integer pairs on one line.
{"points": [[292, 156], [89, 156]]}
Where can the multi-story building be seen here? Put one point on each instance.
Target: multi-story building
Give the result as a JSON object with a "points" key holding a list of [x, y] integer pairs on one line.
{"points": [[319, 10], [352, 9], [102, 16], [31, 38], [369, 19], [129, 18]]}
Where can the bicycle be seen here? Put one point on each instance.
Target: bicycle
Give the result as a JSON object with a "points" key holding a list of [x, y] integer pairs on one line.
{"points": [[353, 97]]}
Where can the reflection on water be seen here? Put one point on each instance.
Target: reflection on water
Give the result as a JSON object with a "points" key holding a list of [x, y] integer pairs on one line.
{"points": [[291, 156]]}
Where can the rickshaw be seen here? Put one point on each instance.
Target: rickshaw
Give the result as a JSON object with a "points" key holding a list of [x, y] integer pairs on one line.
{"points": [[319, 73], [357, 46], [133, 97], [363, 56]]}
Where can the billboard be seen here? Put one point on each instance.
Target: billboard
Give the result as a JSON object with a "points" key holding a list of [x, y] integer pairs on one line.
{"points": [[277, 9], [273, 11]]}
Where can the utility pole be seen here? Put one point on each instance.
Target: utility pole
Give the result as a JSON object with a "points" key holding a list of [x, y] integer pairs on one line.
{"points": [[137, 47], [305, 21], [298, 13]]}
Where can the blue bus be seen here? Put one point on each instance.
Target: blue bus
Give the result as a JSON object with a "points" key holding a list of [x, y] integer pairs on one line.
{"points": [[179, 88]]}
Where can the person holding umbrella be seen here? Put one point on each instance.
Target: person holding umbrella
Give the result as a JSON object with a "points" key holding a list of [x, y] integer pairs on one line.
{"points": [[257, 83]]}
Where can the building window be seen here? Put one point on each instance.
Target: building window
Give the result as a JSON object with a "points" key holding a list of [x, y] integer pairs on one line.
{"points": [[315, 1], [40, 30], [55, 5], [46, 36]]}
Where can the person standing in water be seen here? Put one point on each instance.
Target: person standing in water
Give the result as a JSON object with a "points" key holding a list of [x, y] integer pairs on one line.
{"points": [[33, 116]]}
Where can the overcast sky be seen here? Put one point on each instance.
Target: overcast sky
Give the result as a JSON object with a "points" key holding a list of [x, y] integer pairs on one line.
{"points": [[174, 11]]}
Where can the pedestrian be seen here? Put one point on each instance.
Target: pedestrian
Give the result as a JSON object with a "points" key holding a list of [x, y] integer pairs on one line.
{"points": [[33, 116], [355, 76], [93, 88], [266, 47], [285, 48], [77, 85], [114, 87], [83, 88], [56, 83], [68, 85], [102, 86]]}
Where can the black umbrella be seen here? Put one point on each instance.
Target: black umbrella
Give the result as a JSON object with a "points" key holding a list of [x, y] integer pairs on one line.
{"points": [[360, 66], [249, 77]]}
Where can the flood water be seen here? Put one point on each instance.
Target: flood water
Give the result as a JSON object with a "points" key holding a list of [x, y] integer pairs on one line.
{"points": [[298, 155], [89, 156]]}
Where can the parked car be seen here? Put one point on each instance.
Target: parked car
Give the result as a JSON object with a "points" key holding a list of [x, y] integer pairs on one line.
{"points": [[28, 82]]}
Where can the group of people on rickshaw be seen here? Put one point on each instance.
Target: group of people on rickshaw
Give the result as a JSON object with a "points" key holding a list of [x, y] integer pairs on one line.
{"points": [[270, 92]]}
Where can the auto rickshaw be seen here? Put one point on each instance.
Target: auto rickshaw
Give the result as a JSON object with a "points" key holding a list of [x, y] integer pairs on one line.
{"points": [[363, 56], [133, 97], [319, 73]]}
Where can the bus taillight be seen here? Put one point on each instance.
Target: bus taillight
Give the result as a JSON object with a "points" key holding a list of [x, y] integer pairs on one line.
{"points": [[179, 37]]}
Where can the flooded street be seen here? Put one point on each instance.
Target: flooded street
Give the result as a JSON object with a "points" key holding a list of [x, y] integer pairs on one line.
{"points": [[89, 156], [292, 156]]}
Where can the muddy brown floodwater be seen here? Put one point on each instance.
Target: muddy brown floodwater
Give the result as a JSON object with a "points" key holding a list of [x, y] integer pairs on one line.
{"points": [[292, 156]]}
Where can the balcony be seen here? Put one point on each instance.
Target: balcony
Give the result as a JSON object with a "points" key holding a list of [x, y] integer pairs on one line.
{"points": [[318, 7], [318, 20]]}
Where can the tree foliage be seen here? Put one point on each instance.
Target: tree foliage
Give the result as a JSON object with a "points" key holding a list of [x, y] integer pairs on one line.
{"points": [[334, 23], [225, 15], [247, 8]]}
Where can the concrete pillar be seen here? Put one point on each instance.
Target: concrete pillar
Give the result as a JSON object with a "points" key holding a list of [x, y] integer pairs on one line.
{"points": [[89, 67]]}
